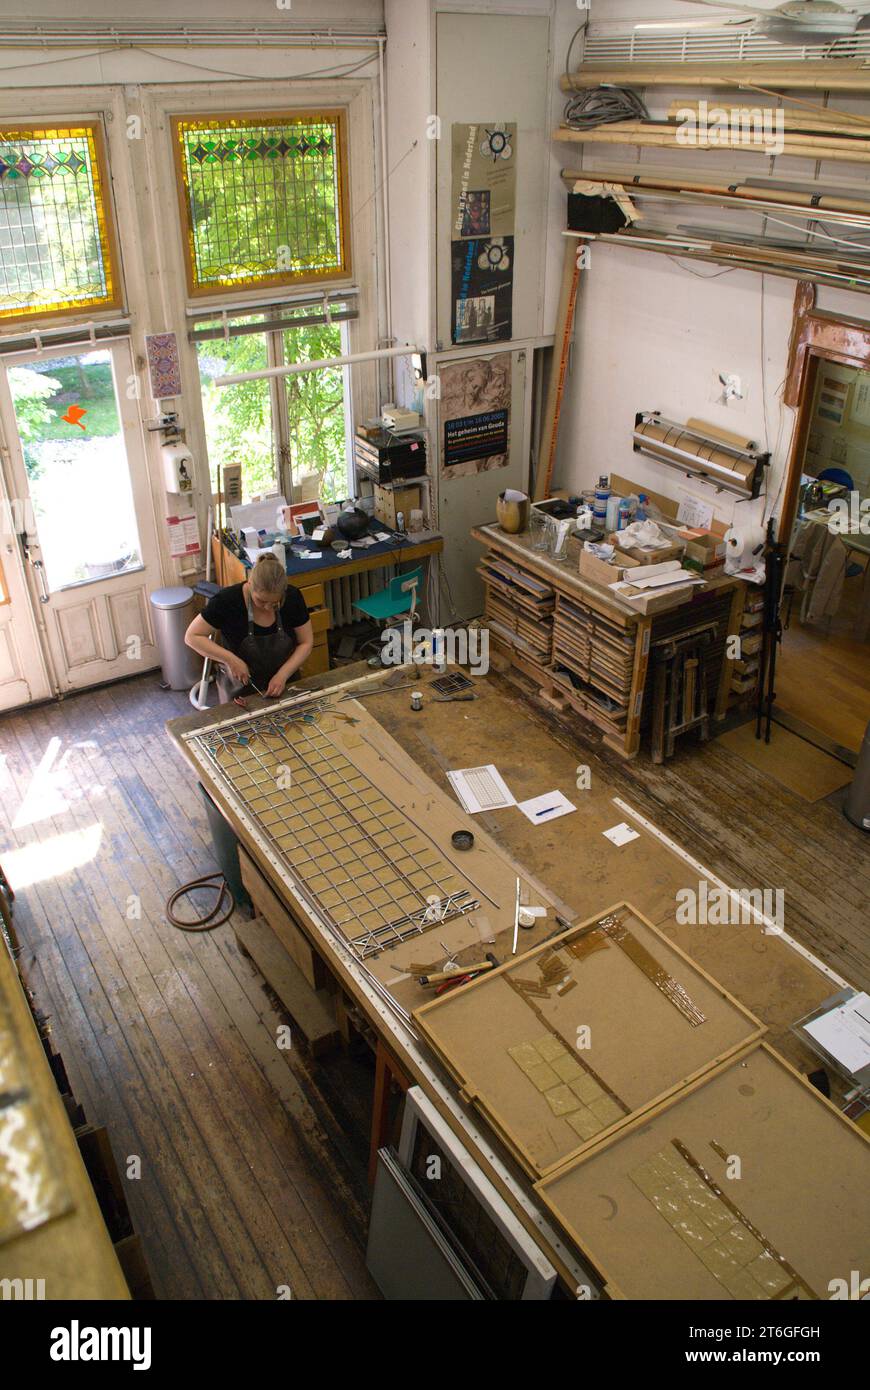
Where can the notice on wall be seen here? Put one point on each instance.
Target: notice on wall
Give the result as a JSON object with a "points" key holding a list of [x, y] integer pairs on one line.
{"points": [[183, 535], [475, 414], [483, 200]]}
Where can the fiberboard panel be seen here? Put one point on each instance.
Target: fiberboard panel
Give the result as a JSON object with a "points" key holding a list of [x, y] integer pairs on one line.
{"points": [[664, 1211], [562, 1044]]}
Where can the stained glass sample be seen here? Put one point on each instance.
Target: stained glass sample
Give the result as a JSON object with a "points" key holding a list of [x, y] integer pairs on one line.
{"points": [[55, 234], [263, 198]]}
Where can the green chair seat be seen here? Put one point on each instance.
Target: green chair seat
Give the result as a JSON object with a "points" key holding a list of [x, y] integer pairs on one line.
{"points": [[393, 600]]}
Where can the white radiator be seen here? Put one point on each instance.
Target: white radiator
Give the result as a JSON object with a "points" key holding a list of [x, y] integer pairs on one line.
{"points": [[342, 594]]}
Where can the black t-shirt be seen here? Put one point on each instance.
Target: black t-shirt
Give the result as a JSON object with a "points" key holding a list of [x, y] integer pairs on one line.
{"points": [[228, 612]]}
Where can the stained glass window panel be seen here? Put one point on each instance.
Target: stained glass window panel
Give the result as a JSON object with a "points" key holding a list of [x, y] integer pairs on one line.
{"points": [[55, 237], [263, 199]]}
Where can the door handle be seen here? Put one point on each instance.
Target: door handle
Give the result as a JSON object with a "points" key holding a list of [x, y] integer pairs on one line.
{"points": [[44, 596]]}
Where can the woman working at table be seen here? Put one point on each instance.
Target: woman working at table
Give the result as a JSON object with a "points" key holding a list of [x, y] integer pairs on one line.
{"points": [[264, 629]]}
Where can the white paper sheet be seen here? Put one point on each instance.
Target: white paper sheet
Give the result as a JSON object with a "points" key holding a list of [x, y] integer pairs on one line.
{"points": [[844, 1032], [550, 806], [621, 834], [481, 789]]}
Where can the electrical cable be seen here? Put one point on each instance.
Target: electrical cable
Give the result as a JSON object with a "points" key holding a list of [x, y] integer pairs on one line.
{"points": [[603, 106], [211, 919]]}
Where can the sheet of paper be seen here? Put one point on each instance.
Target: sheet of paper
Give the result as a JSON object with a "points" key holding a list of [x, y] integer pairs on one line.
{"points": [[621, 834], [845, 1033], [481, 789], [550, 806], [694, 513], [183, 535]]}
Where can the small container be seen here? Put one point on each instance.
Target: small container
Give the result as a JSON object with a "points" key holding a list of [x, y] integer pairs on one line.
{"points": [[416, 699]]}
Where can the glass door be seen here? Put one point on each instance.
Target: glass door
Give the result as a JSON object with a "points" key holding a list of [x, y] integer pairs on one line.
{"points": [[86, 535]]}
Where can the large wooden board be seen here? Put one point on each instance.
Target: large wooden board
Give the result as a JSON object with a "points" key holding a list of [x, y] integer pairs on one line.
{"points": [[657, 1210], [569, 1040]]}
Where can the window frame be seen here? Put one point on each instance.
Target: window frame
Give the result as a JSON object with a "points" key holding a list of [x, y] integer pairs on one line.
{"points": [[109, 243], [338, 115]]}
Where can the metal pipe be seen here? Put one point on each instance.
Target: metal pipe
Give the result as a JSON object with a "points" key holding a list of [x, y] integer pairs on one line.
{"points": [[289, 369]]}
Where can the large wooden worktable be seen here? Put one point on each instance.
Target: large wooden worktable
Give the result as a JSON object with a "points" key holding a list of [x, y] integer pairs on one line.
{"points": [[569, 867]]}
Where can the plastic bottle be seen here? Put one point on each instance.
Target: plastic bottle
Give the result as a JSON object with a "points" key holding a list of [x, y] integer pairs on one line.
{"points": [[624, 514], [612, 515], [640, 511]]}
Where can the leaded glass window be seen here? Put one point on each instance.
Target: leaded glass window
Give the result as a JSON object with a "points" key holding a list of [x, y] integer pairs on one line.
{"points": [[56, 245], [263, 199]]}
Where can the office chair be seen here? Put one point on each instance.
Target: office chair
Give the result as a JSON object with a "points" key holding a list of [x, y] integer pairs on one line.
{"points": [[395, 604]]}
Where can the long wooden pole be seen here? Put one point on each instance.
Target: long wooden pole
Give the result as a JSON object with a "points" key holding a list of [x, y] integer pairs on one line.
{"points": [[809, 76], [853, 151], [746, 191], [571, 268]]}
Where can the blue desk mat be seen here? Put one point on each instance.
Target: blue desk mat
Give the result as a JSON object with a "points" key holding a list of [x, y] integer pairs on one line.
{"points": [[298, 561]]}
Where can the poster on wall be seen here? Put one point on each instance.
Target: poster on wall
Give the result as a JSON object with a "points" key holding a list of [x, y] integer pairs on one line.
{"points": [[483, 164], [475, 414], [483, 200], [482, 285]]}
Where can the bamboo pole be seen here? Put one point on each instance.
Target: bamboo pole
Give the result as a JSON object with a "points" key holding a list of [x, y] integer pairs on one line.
{"points": [[836, 123], [747, 192], [665, 138], [817, 75]]}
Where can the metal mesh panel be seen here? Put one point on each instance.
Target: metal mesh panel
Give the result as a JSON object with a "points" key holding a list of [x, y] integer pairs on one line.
{"points": [[262, 198], [54, 231]]}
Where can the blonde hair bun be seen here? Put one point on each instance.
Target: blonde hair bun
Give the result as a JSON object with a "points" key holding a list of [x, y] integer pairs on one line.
{"points": [[268, 575]]}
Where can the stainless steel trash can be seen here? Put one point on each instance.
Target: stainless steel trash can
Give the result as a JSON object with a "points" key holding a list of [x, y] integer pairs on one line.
{"points": [[857, 803], [173, 611]]}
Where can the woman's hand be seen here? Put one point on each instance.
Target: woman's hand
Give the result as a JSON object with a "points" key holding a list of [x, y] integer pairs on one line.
{"points": [[277, 685], [236, 667]]}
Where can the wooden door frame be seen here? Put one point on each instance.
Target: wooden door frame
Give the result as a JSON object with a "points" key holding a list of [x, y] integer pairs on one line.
{"points": [[815, 336]]}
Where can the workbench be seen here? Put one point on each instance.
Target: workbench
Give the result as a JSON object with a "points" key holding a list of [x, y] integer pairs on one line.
{"points": [[587, 630], [316, 921]]}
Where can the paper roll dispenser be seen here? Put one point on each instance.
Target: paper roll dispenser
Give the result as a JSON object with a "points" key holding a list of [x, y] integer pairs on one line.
{"points": [[177, 469], [711, 458]]}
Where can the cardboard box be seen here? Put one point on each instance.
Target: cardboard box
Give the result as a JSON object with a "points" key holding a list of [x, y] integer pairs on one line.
{"points": [[650, 555], [701, 559], [389, 501], [696, 535], [602, 571]]}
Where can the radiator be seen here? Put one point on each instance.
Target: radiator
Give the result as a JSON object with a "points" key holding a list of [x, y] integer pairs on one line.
{"points": [[342, 594]]}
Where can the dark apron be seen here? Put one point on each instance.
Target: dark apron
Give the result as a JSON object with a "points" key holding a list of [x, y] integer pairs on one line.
{"points": [[263, 653]]}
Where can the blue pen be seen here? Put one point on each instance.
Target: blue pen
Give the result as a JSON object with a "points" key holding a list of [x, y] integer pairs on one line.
{"points": [[547, 810]]}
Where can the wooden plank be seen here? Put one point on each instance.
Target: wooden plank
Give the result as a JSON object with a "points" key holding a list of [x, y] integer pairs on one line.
{"points": [[311, 1009], [291, 937]]}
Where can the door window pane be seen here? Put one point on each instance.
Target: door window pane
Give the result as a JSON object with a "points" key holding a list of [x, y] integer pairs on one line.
{"points": [[67, 415]]}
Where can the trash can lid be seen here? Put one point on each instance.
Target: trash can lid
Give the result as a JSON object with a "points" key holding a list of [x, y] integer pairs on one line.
{"points": [[178, 597]]}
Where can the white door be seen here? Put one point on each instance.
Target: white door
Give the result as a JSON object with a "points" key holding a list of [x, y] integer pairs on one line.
{"points": [[82, 511]]}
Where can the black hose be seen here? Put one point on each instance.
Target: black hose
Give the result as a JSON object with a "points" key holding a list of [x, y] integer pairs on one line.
{"points": [[211, 919]]}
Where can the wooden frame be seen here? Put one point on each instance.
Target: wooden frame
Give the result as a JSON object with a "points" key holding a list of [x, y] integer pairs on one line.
{"points": [[815, 337], [336, 116], [473, 1090], [611, 1153], [108, 238]]}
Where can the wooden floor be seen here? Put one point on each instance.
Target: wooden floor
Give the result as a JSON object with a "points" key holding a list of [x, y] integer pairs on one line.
{"points": [[253, 1161], [823, 676], [253, 1171]]}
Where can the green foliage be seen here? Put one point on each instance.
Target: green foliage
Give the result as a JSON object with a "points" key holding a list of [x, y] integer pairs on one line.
{"points": [[30, 392], [238, 419]]}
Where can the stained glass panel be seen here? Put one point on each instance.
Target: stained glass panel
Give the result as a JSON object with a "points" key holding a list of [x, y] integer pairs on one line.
{"points": [[263, 199], [55, 240]]}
